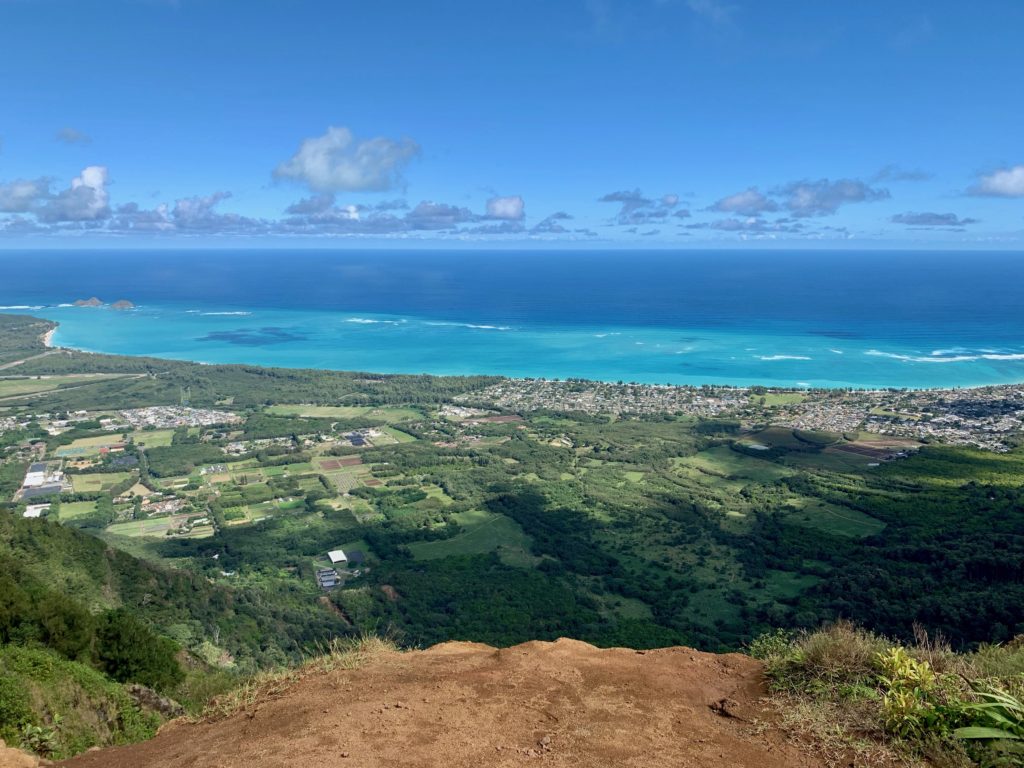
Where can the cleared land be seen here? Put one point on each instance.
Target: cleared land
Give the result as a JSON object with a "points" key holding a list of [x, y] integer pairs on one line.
{"points": [[483, 532], [97, 482], [390, 415]]}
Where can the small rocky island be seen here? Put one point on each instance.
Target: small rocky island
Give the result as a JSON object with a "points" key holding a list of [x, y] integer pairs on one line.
{"points": [[95, 302]]}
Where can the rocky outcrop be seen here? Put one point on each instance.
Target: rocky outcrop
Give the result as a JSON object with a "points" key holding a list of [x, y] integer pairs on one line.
{"points": [[93, 302]]}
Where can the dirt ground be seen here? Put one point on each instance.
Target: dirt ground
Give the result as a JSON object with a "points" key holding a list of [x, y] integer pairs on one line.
{"points": [[463, 705]]}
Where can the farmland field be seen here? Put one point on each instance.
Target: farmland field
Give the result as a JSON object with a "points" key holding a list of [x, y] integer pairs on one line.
{"points": [[483, 532], [152, 438], [89, 446], [391, 415], [97, 482], [71, 510]]}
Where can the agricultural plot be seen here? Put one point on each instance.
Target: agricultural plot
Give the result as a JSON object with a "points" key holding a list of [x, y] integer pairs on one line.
{"points": [[16, 387], [154, 526], [839, 521], [72, 510], [483, 532], [89, 446], [152, 438], [722, 461], [389, 415], [98, 482]]}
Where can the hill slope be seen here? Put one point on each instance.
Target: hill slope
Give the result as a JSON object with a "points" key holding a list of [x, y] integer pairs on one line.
{"points": [[461, 705]]}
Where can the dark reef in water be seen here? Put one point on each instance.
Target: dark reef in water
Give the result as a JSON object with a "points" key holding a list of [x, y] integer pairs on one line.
{"points": [[261, 337]]}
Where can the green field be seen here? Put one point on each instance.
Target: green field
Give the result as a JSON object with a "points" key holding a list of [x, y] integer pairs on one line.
{"points": [[722, 461], [89, 446], [13, 387], [779, 398], [75, 509], [152, 438], [97, 482], [483, 532], [389, 415], [829, 518]]}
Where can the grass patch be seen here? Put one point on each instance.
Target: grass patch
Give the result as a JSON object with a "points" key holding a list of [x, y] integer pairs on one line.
{"points": [[97, 482], [482, 532], [74, 509], [387, 414]]}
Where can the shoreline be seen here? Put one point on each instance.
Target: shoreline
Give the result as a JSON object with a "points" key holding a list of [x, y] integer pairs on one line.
{"points": [[48, 343], [561, 380]]}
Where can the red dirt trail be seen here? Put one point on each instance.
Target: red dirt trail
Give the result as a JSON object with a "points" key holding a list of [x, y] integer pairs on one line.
{"points": [[462, 705]]}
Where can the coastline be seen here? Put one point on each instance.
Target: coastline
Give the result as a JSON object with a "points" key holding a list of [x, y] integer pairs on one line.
{"points": [[48, 338]]}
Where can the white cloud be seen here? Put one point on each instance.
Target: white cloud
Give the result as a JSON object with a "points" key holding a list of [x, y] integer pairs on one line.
{"points": [[339, 161], [506, 208], [1004, 182], [22, 195], [86, 200], [749, 202]]}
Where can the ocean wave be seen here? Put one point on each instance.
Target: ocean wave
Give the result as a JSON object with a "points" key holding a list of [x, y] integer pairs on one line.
{"points": [[368, 321], [23, 306], [837, 351], [944, 356], [783, 357], [227, 314], [475, 326]]}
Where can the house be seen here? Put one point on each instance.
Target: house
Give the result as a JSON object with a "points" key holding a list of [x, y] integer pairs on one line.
{"points": [[36, 510], [337, 556]]}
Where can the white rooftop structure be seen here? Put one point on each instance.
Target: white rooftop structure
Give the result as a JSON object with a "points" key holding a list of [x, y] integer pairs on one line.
{"points": [[36, 510], [337, 556]]}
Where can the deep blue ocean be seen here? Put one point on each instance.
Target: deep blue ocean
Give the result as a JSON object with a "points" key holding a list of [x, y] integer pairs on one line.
{"points": [[837, 318]]}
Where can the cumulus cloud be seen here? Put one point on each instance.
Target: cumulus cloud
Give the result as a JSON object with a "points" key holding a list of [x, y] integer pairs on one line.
{"points": [[1003, 182], [749, 202], [339, 161], [72, 136], [751, 225], [931, 220], [823, 197], [506, 208], [552, 225], [86, 199], [189, 215], [23, 195], [635, 208]]}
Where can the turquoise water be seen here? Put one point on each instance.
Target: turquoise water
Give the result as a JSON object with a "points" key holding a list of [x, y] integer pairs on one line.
{"points": [[694, 319]]}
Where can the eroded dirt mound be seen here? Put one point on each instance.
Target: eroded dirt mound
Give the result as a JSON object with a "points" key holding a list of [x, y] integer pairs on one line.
{"points": [[462, 705]]}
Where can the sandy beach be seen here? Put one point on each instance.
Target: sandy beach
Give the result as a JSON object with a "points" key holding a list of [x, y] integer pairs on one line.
{"points": [[48, 338]]}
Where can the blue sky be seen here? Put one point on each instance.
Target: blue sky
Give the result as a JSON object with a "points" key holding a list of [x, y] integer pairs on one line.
{"points": [[662, 123]]}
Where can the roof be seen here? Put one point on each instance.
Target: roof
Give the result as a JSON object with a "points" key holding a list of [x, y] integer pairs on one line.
{"points": [[337, 556]]}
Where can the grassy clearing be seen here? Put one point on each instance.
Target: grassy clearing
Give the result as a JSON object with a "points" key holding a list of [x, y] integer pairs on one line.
{"points": [[153, 438], [840, 521], [75, 509], [97, 482], [722, 461], [779, 398], [483, 532], [13, 387], [390, 415], [399, 435]]}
